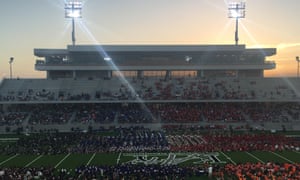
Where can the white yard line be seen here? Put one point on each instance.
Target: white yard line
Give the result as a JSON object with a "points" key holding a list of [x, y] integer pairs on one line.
{"points": [[282, 157], [228, 158], [88, 163], [203, 139], [33, 160], [255, 157], [62, 160], [297, 152], [9, 159], [119, 158], [169, 159]]}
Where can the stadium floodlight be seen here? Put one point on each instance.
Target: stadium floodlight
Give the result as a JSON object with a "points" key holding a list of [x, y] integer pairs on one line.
{"points": [[298, 60], [11, 60], [236, 10], [107, 58], [188, 58], [73, 9]]}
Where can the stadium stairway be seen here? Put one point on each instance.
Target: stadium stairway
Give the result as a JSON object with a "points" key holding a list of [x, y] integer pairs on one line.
{"points": [[72, 118], [26, 120], [116, 118]]}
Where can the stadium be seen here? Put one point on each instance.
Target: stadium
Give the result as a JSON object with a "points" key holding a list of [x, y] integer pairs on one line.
{"points": [[151, 112]]}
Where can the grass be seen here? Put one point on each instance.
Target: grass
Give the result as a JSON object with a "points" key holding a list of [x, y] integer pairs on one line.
{"points": [[48, 160], [292, 155], [19, 161], [71, 161], [105, 159], [240, 157], [184, 159], [75, 160]]}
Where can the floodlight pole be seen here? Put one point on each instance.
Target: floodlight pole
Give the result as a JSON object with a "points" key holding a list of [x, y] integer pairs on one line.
{"points": [[73, 10], [73, 31], [236, 31], [298, 60], [11, 60], [237, 11]]}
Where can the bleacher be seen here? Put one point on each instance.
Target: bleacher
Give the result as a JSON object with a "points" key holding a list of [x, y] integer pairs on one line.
{"points": [[259, 103], [221, 89]]}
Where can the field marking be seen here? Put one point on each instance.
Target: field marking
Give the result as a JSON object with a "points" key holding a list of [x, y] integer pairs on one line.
{"points": [[119, 158], [297, 152], [173, 158], [90, 160], [8, 159], [283, 157], [9, 139], [62, 160], [228, 158], [169, 159], [33, 160], [203, 139], [255, 157]]}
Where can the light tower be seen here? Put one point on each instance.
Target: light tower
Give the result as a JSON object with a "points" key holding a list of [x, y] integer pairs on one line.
{"points": [[73, 10], [236, 10], [11, 60], [298, 60]]}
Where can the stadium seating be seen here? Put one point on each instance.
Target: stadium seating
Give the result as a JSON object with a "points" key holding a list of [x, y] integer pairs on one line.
{"points": [[279, 89]]}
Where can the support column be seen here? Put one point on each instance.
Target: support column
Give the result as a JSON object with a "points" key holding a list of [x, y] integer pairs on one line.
{"points": [[261, 73], [168, 74], [48, 75], [140, 74], [109, 74], [200, 73], [74, 74]]}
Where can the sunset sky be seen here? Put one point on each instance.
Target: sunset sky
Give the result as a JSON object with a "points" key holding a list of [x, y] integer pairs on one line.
{"points": [[29, 24]]}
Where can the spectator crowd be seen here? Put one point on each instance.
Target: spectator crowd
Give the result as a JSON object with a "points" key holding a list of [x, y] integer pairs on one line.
{"points": [[245, 171], [151, 89], [61, 114]]}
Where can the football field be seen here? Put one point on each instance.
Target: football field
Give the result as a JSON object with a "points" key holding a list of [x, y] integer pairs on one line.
{"points": [[71, 161]]}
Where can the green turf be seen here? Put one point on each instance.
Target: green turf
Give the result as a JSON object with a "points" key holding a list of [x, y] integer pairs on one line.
{"points": [[75, 160], [71, 161], [48, 160], [4, 158], [105, 159], [268, 157], [125, 158], [240, 157], [19, 161], [290, 155]]}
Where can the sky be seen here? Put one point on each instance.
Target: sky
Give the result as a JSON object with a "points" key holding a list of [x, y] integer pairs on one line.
{"points": [[29, 24]]}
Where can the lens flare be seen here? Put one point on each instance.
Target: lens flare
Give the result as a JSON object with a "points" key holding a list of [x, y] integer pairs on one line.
{"points": [[113, 66]]}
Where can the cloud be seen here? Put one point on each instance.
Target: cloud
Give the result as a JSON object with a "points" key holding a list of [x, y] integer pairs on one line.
{"points": [[280, 46], [287, 45]]}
